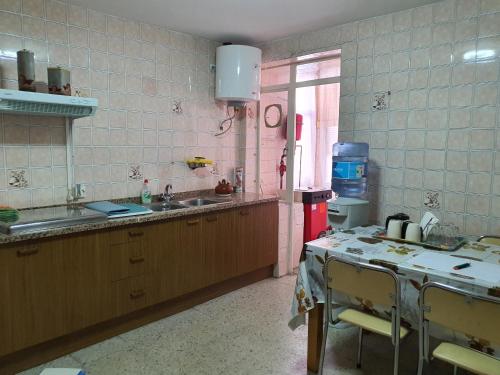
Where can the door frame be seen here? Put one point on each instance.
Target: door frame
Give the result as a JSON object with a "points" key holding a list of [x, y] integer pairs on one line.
{"points": [[291, 88]]}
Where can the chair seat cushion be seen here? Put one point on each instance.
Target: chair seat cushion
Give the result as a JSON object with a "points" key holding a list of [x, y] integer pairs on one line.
{"points": [[370, 322], [468, 359]]}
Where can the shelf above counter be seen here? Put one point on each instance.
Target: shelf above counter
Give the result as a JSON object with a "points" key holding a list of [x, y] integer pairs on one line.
{"points": [[39, 104]]}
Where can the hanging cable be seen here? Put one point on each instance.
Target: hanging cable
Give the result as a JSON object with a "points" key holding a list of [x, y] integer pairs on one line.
{"points": [[228, 119]]}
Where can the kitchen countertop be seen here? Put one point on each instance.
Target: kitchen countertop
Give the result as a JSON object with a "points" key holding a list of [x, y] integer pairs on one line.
{"points": [[236, 200]]}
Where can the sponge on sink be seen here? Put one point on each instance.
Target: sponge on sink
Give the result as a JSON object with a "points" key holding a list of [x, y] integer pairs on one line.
{"points": [[8, 214]]}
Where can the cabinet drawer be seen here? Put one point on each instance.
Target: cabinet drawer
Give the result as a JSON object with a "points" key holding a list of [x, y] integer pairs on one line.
{"points": [[127, 253], [125, 235], [126, 260], [130, 294]]}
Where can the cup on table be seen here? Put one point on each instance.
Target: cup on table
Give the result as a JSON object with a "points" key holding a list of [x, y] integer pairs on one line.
{"points": [[394, 229], [413, 232]]}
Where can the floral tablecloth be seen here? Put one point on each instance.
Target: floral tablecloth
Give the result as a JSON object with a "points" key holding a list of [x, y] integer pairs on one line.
{"points": [[358, 244]]}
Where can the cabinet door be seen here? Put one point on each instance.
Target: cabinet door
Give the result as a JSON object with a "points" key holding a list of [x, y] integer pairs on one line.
{"points": [[178, 258], [190, 254], [219, 241], [5, 305], [87, 290], [164, 275], [257, 236], [247, 243], [36, 281], [267, 234], [51, 288]]}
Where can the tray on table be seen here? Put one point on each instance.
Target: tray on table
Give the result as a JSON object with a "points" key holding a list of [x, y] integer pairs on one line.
{"points": [[460, 241]]}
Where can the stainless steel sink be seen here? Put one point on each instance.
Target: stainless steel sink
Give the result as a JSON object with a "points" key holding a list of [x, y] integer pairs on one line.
{"points": [[166, 206], [196, 202]]}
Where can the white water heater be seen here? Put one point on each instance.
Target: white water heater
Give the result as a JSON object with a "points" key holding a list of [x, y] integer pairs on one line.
{"points": [[237, 77]]}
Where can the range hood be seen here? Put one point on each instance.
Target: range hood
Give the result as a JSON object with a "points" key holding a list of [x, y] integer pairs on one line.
{"points": [[34, 103]]}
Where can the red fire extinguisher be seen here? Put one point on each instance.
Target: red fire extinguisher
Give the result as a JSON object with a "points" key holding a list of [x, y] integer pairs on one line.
{"points": [[298, 127], [282, 167]]}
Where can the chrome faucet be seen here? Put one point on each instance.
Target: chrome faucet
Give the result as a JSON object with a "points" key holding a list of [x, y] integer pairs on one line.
{"points": [[167, 195]]}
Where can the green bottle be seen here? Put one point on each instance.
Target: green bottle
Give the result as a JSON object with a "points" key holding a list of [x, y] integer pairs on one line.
{"points": [[145, 193]]}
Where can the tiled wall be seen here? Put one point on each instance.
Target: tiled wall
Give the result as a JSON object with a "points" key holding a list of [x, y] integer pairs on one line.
{"points": [[136, 71], [436, 145]]}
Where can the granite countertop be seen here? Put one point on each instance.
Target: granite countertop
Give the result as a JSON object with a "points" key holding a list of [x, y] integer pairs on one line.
{"points": [[236, 200]]}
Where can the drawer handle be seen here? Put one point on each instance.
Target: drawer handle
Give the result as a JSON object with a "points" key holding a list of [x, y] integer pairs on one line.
{"points": [[32, 250], [135, 234], [193, 222], [212, 219], [134, 260], [137, 293], [244, 213]]}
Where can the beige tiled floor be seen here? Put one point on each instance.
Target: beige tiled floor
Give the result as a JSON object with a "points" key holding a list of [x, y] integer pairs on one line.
{"points": [[244, 332]]}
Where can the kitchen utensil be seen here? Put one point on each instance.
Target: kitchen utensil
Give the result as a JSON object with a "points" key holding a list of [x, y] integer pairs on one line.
{"points": [[400, 216], [59, 81], [26, 70], [443, 234], [394, 228], [413, 232]]}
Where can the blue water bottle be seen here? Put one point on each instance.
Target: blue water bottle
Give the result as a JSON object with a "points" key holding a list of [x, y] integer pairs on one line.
{"points": [[350, 169]]}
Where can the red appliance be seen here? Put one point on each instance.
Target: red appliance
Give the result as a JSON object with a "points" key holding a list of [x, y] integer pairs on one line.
{"points": [[298, 127], [315, 213]]}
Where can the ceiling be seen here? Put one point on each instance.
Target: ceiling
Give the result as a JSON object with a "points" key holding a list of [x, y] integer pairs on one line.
{"points": [[249, 21]]}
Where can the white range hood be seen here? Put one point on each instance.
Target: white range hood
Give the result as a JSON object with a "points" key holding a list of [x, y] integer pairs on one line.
{"points": [[34, 103]]}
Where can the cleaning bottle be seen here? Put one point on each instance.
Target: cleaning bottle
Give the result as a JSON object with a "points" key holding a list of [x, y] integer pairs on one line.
{"points": [[145, 193]]}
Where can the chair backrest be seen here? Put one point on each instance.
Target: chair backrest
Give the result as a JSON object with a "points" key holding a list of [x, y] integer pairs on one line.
{"points": [[462, 311], [492, 240], [376, 284]]}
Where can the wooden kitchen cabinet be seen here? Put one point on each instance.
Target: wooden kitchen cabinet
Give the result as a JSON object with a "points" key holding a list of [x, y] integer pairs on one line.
{"points": [[257, 236], [128, 252], [131, 294], [5, 306], [190, 259], [246, 223], [165, 263], [37, 301], [51, 288], [128, 257], [178, 259], [267, 216], [219, 246]]}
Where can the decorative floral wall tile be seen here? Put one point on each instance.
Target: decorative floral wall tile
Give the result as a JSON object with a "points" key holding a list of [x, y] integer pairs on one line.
{"points": [[17, 178], [135, 173]]}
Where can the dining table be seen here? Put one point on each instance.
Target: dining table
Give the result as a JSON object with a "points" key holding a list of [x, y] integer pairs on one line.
{"points": [[415, 264]]}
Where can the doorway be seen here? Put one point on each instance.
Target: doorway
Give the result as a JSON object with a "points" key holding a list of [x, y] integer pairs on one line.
{"points": [[295, 155]]}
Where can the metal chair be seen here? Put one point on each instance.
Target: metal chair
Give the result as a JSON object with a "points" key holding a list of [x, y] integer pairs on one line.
{"points": [[461, 311], [372, 283], [490, 239]]}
